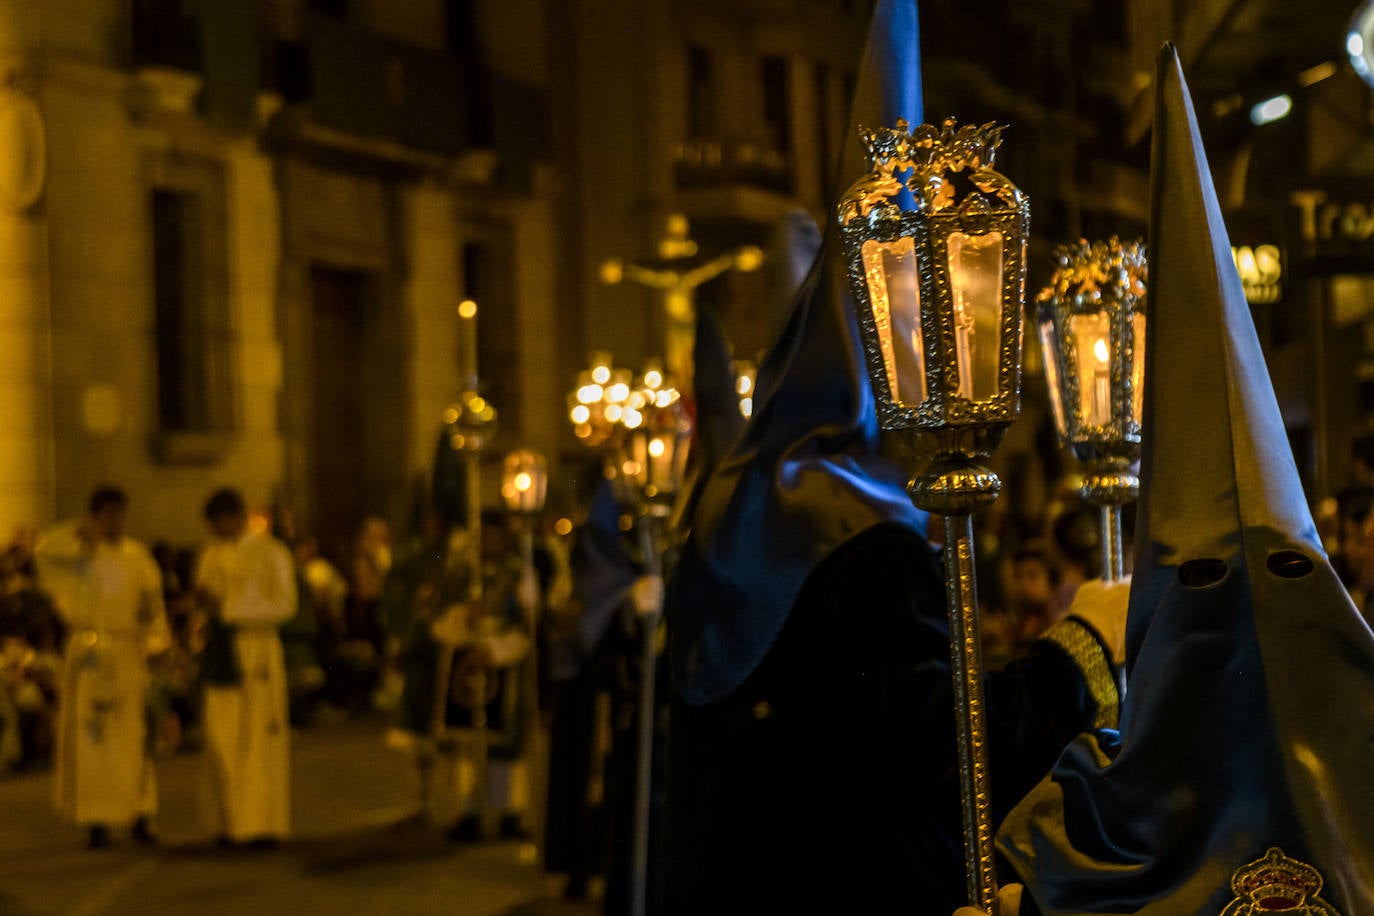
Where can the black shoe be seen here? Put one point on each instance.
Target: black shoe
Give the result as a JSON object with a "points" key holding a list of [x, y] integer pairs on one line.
{"points": [[512, 829], [224, 844], [467, 830], [142, 833], [99, 837], [261, 844]]}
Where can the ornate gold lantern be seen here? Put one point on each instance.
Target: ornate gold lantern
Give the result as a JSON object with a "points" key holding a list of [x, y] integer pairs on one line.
{"points": [[935, 241], [652, 451], [1092, 332], [525, 482]]}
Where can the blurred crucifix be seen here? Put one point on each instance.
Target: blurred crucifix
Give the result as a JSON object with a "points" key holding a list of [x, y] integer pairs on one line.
{"points": [[678, 283]]}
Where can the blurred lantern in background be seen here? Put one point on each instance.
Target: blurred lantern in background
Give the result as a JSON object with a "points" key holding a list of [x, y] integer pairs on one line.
{"points": [[1092, 333], [525, 482], [652, 451]]}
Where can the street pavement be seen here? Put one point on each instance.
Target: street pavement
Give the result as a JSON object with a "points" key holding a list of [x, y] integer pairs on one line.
{"points": [[357, 848]]}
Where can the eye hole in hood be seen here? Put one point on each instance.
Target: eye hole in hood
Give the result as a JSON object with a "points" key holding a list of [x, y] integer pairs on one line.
{"points": [[1202, 573], [1289, 564]]}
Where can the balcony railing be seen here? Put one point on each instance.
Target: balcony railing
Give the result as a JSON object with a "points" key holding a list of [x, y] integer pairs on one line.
{"points": [[716, 163]]}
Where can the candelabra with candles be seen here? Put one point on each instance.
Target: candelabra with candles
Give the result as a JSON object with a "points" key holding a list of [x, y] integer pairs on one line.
{"points": [[935, 243], [597, 402], [1092, 331], [645, 451]]}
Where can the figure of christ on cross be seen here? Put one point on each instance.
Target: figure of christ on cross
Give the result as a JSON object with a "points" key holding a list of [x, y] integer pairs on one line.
{"points": [[678, 287]]}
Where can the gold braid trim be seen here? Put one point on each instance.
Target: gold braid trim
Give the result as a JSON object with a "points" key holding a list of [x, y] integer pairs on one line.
{"points": [[1074, 637]]}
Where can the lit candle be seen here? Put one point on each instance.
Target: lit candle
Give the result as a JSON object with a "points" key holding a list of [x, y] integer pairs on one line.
{"points": [[1102, 383], [660, 465], [963, 342]]}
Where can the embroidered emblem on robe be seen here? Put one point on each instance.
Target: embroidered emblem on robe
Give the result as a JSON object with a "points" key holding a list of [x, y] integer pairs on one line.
{"points": [[1277, 884]]}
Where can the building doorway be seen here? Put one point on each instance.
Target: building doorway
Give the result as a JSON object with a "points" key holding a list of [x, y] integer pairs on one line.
{"points": [[353, 417]]}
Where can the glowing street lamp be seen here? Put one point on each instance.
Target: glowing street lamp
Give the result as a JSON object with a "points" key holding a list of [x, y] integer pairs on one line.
{"points": [[935, 241], [1092, 332]]}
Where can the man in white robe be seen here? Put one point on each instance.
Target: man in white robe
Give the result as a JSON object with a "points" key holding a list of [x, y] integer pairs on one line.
{"points": [[248, 579], [108, 590]]}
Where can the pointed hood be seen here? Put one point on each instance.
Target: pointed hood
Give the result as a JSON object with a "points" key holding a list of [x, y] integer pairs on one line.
{"points": [[1250, 704], [806, 476], [603, 571], [718, 421], [792, 250]]}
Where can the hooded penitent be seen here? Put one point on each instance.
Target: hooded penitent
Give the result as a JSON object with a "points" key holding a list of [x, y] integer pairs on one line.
{"points": [[792, 250], [718, 422], [603, 570], [806, 475], [1241, 780]]}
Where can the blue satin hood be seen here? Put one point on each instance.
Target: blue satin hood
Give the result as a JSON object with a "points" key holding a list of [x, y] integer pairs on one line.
{"points": [[806, 475]]}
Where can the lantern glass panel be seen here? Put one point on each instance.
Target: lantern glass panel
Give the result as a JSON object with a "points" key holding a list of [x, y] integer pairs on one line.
{"points": [[1049, 346], [524, 482], [895, 293], [1093, 354], [634, 467], [1138, 366], [975, 279], [659, 464]]}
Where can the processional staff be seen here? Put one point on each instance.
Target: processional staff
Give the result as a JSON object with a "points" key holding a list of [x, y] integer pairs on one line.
{"points": [[935, 243]]}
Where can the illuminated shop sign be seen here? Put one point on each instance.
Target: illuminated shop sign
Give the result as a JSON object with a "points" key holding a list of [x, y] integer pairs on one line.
{"points": [[1261, 272], [1331, 229], [1322, 219]]}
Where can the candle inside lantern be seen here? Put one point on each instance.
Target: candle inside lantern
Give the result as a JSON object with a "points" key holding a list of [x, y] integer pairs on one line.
{"points": [[660, 470], [963, 343], [975, 279], [1102, 382], [895, 296], [1091, 336]]}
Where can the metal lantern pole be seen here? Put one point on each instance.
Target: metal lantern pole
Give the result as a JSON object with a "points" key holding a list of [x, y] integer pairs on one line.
{"points": [[653, 458], [955, 487], [935, 243], [644, 752], [1092, 330]]}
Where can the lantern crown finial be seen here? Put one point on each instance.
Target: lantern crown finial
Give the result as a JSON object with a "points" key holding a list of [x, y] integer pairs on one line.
{"points": [[924, 162], [1088, 272]]}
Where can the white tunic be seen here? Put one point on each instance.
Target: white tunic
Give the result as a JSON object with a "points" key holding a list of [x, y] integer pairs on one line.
{"points": [[247, 730], [110, 597]]}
